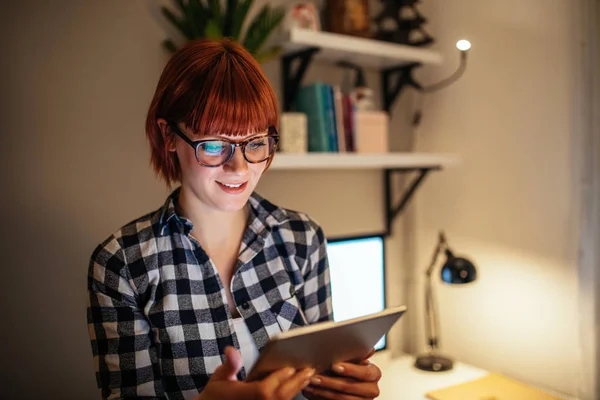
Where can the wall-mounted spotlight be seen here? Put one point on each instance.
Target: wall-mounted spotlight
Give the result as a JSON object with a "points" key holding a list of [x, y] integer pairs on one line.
{"points": [[463, 45]]}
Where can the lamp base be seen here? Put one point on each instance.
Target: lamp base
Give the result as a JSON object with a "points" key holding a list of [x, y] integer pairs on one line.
{"points": [[433, 363]]}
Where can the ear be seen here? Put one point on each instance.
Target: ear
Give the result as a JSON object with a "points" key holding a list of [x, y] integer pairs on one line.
{"points": [[167, 135]]}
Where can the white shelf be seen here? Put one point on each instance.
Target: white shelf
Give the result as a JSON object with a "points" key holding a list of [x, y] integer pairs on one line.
{"points": [[308, 161], [368, 53]]}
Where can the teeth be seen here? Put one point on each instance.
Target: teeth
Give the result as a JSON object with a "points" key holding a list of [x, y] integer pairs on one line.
{"points": [[232, 186]]}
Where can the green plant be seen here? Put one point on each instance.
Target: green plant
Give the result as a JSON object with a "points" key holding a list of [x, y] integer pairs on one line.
{"points": [[196, 19]]}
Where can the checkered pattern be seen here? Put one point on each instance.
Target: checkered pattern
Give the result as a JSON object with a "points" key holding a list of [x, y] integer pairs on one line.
{"points": [[157, 314]]}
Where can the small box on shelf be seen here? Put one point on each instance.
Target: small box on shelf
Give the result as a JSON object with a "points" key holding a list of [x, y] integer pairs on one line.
{"points": [[371, 132], [293, 135]]}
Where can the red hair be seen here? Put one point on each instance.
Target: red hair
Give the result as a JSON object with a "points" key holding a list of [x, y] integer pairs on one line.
{"points": [[213, 88]]}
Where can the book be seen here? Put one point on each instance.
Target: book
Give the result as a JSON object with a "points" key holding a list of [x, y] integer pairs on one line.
{"points": [[330, 117], [311, 101], [490, 387], [339, 118], [349, 110]]}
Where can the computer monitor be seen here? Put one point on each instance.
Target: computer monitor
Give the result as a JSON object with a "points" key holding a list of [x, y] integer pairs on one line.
{"points": [[357, 270]]}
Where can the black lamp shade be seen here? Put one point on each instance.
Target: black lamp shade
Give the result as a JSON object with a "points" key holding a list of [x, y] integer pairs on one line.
{"points": [[458, 270]]}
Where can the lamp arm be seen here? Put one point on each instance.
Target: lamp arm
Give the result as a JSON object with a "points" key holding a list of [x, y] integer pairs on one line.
{"points": [[418, 114], [452, 78], [432, 324], [430, 331], [439, 248]]}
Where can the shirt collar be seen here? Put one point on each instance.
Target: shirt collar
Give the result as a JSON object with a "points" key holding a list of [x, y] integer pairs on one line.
{"points": [[168, 214], [265, 214]]}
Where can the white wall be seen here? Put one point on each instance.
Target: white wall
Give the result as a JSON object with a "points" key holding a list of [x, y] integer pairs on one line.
{"points": [[513, 204]]}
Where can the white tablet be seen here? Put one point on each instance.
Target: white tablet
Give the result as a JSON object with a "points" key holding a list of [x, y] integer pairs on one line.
{"points": [[323, 344]]}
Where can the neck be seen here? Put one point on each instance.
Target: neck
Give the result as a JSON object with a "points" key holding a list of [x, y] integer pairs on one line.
{"points": [[212, 227]]}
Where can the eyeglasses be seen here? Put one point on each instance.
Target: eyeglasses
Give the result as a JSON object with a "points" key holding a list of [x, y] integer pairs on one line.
{"points": [[214, 153]]}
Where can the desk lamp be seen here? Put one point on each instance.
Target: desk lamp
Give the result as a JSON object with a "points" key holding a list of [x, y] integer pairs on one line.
{"points": [[456, 270]]}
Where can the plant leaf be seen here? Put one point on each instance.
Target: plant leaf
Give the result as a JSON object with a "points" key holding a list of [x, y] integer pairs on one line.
{"points": [[253, 29], [268, 54], [262, 26], [230, 10], [181, 5], [215, 11], [179, 24], [238, 19], [213, 30], [169, 45], [198, 15]]}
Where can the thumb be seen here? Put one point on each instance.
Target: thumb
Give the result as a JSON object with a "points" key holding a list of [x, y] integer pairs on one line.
{"points": [[230, 367]]}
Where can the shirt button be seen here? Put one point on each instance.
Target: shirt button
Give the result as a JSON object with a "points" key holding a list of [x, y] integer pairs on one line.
{"points": [[245, 305]]}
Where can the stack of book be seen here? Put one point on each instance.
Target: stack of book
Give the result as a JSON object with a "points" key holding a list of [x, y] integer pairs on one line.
{"points": [[331, 117]]}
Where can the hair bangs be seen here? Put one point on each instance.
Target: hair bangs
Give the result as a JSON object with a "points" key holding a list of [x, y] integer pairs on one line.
{"points": [[234, 101]]}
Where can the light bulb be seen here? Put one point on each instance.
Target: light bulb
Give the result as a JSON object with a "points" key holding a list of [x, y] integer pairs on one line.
{"points": [[463, 45]]}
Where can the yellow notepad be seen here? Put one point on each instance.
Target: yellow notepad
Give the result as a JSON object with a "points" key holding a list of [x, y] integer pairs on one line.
{"points": [[490, 387]]}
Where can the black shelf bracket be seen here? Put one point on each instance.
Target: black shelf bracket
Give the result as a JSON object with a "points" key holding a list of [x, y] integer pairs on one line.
{"points": [[403, 77], [391, 210], [291, 80], [393, 80]]}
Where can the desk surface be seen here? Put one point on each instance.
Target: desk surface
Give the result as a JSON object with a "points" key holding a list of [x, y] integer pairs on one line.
{"points": [[401, 380]]}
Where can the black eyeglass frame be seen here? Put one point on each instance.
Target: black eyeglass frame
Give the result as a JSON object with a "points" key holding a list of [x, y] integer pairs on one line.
{"points": [[272, 132]]}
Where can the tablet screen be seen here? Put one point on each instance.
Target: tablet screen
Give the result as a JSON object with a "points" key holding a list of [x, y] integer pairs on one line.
{"points": [[357, 277]]}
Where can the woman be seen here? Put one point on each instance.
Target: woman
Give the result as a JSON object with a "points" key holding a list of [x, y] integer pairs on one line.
{"points": [[181, 299]]}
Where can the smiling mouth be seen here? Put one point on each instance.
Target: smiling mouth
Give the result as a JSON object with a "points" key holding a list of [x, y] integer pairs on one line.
{"points": [[233, 188], [232, 185]]}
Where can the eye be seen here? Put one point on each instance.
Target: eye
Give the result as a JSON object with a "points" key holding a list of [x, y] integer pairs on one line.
{"points": [[213, 148], [256, 144]]}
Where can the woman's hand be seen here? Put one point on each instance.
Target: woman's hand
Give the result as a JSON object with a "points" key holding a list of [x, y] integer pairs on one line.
{"points": [[354, 382], [283, 384]]}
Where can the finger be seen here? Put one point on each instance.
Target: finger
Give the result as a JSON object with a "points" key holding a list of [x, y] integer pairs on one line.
{"points": [[370, 354], [275, 379], [312, 392], [347, 386], [234, 358], [230, 367], [265, 388], [364, 373], [271, 383], [295, 384], [366, 361]]}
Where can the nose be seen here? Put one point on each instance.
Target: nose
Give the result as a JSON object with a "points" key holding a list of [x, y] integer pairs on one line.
{"points": [[238, 164]]}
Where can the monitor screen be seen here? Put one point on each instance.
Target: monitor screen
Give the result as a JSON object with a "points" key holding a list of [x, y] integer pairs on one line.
{"points": [[357, 277]]}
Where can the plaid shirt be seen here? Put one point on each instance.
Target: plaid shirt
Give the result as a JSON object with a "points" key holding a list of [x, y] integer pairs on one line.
{"points": [[157, 315]]}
